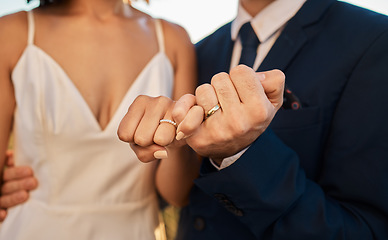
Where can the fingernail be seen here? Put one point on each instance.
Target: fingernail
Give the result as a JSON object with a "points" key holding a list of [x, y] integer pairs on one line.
{"points": [[260, 76], [180, 136], [160, 154]]}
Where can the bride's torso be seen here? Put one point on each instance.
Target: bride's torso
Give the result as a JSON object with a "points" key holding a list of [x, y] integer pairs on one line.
{"points": [[69, 105], [102, 57]]}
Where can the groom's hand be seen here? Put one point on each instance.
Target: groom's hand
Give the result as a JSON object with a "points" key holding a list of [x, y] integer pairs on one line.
{"points": [[248, 102]]}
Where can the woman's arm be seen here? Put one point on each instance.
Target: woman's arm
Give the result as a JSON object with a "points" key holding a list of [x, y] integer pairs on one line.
{"points": [[175, 175], [7, 98], [13, 39]]}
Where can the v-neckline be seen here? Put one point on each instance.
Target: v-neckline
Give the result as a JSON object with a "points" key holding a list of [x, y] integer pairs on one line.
{"points": [[81, 97]]}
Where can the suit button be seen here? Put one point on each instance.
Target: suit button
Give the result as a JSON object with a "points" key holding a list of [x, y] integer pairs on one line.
{"points": [[199, 223]]}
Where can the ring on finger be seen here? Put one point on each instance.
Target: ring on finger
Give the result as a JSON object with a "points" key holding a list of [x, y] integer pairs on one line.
{"points": [[167, 121], [212, 111]]}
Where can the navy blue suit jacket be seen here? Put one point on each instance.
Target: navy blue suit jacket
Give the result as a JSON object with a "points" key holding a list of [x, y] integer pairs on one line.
{"points": [[320, 172]]}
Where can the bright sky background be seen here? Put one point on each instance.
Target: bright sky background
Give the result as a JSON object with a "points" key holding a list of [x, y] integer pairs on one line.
{"points": [[199, 17]]}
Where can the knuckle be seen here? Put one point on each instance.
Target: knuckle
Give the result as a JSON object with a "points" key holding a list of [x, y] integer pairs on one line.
{"points": [[219, 79], [162, 140], [178, 113], [188, 99], [163, 101], [246, 75], [240, 69], [142, 140], [124, 135], [140, 99], [202, 89]]}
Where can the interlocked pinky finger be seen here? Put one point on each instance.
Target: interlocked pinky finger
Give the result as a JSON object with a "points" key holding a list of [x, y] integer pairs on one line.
{"points": [[182, 107], [191, 122]]}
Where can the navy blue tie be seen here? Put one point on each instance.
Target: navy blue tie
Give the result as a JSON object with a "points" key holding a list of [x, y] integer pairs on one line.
{"points": [[249, 42]]}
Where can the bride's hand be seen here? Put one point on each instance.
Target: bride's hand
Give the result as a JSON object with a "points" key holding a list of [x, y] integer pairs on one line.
{"points": [[151, 123], [149, 127]]}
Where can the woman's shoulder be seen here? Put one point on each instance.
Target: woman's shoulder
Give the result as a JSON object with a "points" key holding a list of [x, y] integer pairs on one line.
{"points": [[174, 31], [13, 25], [177, 42], [177, 39], [13, 37]]}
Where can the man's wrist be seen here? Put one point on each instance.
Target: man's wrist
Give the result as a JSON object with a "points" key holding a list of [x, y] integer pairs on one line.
{"points": [[221, 163]]}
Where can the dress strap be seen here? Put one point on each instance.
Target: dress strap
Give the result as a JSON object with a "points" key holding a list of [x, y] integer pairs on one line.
{"points": [[159, 34], [31, 27]]}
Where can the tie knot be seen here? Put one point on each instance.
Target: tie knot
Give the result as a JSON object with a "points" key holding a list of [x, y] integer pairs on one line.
{"points": [[248, 36]]}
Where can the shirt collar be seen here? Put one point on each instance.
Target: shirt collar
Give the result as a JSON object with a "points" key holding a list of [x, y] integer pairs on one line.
{"points": [[269, 20]]}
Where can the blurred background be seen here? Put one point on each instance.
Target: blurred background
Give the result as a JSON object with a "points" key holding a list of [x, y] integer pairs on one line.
{"points": [[199, 17]]}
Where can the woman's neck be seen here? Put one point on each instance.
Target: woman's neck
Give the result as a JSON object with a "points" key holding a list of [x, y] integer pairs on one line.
{"points": [[99, 9]]}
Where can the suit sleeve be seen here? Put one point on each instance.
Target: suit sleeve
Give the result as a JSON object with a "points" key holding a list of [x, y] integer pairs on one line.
{"points": [[349, 200]]}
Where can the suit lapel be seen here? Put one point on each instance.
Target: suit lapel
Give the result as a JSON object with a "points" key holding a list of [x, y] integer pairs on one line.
{"points": [[285, 48], [294, 36], [226, 49], [214, 54]]}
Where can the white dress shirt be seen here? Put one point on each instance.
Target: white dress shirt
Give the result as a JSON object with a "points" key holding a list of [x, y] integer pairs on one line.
{"points": [[268, 25]]}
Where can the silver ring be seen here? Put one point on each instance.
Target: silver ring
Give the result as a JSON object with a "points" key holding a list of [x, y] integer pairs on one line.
{"points": [[168, 121], [212, 111]]}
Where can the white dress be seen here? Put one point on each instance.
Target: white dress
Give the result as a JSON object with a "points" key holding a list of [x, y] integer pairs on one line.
{"points": [[91, 185]]}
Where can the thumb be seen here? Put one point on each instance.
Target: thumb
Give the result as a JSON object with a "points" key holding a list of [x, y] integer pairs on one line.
{"points": [[273, 85]]}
